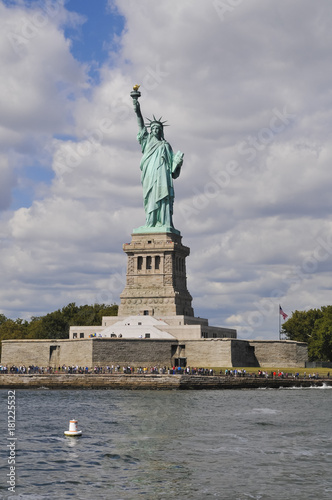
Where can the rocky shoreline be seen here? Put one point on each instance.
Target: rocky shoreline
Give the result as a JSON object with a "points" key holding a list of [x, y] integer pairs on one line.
{"points": [[151, 382]]}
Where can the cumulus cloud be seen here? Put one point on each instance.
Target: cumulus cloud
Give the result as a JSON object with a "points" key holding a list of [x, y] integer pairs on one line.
{"points": [[246, 90]]}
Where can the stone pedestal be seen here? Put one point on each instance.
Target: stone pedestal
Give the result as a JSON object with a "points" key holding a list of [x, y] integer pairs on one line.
{"points": [[156, 276]]}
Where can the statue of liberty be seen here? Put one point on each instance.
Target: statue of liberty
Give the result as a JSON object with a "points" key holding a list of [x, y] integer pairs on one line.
{"points": [[159, 166]]}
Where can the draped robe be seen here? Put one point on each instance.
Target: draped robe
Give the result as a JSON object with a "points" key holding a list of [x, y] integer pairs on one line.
{"points": [[157, 179]]}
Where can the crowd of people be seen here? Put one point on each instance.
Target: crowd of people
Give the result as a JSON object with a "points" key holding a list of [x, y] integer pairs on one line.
{"points": [[75, 369], [130, 370]]}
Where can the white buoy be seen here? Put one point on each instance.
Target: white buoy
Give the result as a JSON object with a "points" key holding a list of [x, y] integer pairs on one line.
{"points": [[73, 429]]}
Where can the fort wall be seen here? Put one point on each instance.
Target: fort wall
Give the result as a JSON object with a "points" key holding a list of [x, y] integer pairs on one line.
{"points": [[285, 353], [140, 352], [46, 352], [150, 352]]}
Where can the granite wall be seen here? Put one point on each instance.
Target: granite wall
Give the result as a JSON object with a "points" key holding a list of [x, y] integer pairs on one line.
{"points": [[136, 352], [284, 353], [148, 352], [207, 353], [46, 352]]}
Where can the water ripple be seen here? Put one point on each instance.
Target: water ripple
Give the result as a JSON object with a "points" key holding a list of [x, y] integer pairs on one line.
{"points": [[233, 445]]}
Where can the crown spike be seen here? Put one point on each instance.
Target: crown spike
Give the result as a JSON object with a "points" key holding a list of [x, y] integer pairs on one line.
{"points": [[162, 123]]}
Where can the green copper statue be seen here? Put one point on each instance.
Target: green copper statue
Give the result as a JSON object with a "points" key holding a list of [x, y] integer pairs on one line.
{"points": [[159, 166]]}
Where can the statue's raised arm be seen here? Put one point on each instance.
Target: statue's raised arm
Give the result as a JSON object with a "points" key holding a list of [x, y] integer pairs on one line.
{"points": [[135, 94], [137, 109], [159, 166]]}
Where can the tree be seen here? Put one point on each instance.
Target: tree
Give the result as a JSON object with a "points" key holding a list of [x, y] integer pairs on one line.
{"points": [[35, 328], [315, 328], [13, 329], [2, 319], [55, 325], [320, 345], [92, 315], [300, 325]]}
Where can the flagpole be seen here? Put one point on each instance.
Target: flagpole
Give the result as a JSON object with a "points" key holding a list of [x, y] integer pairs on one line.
{"points": [[279, 323]]}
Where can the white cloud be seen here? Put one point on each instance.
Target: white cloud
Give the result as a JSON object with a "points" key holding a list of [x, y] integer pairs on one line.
{"points": [[248, 99]]}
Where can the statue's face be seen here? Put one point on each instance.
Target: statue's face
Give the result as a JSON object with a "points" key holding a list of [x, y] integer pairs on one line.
{"points": [[156, 131]]}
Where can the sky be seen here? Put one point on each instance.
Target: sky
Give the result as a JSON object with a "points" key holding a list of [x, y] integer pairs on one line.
{"points": [[246, 89]]}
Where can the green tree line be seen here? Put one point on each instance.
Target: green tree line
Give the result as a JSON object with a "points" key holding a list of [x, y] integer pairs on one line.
{"points": [[315, 328], [55, 325]]}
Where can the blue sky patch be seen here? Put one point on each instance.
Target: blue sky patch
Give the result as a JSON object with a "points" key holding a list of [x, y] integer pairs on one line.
{"points": [[97, 36], [31, 176]]}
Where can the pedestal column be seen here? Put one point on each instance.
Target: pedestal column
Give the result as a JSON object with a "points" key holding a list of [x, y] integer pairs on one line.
{"points": [[156, 281]]}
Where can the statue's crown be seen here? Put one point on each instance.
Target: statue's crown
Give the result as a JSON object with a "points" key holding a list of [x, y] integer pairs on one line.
{"points": [[159, 122]]}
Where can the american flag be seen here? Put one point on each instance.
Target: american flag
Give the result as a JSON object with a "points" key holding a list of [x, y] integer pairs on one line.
{"points": [[283, 314]]}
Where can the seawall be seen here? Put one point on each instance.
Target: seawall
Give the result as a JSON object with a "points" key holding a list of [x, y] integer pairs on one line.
{"points": [[150, 382]]}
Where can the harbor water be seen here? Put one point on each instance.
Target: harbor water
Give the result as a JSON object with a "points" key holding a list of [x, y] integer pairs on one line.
{"points": [[225, 444]]}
